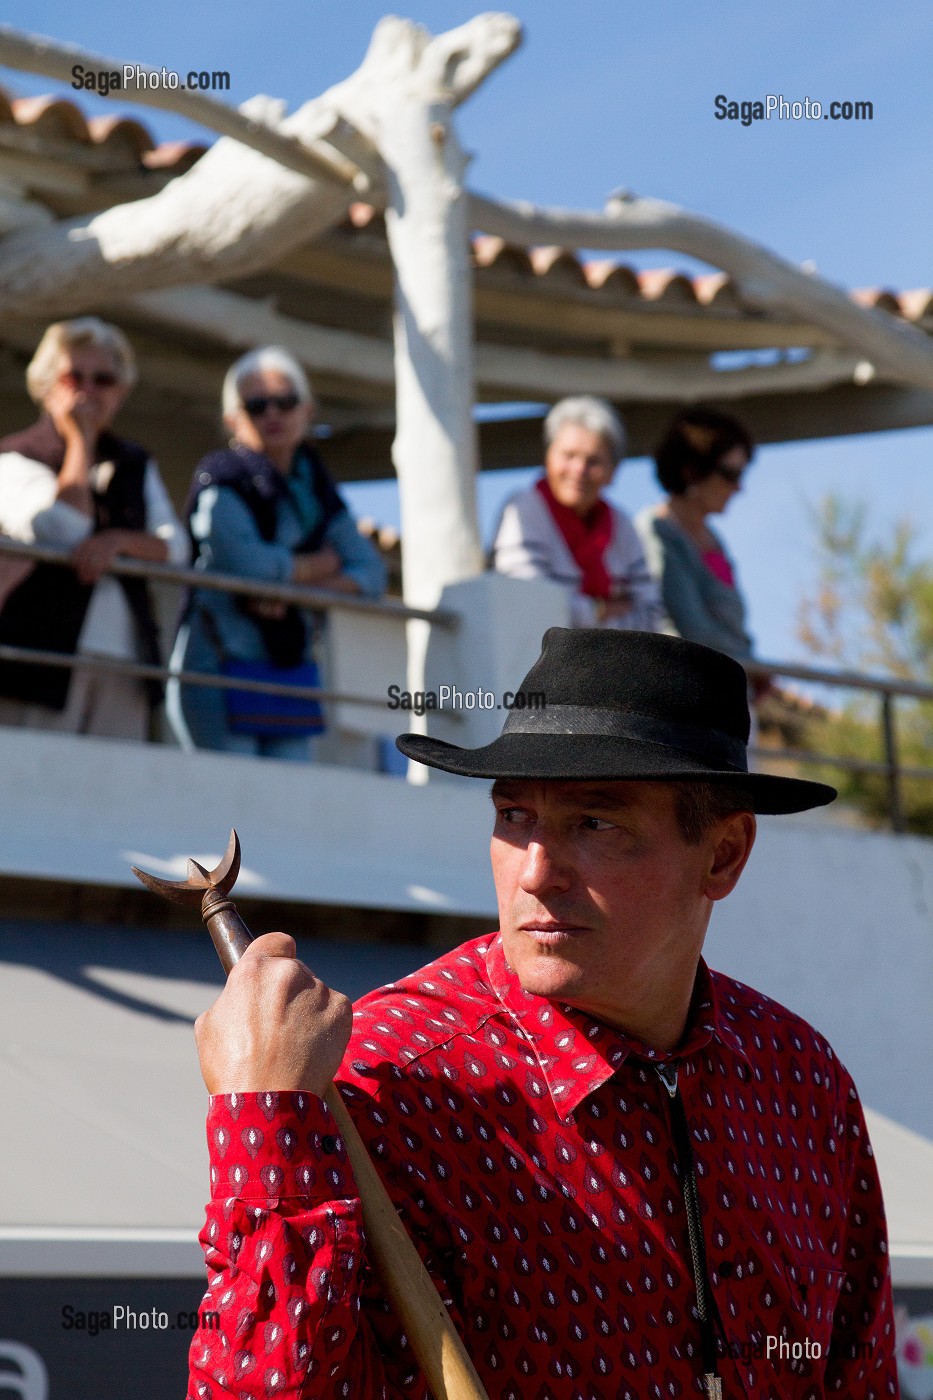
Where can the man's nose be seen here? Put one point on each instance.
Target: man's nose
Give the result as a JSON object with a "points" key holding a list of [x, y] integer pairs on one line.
{"points": [[544, 869]]}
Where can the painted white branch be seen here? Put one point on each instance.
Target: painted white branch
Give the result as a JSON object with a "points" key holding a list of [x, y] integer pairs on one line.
{"points": [[763, 279], [242, 323], [32, 53], [234, 212]]}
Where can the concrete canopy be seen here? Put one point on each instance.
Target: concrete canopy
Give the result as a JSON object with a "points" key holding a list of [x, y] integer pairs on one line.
{"points": [[547, 322]]}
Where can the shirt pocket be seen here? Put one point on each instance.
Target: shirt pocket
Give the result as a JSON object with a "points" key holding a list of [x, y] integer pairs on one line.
{"points": [[814, 1283], [777, 1302]]}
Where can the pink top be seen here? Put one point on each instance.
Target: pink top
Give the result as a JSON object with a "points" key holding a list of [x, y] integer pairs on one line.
{"points": [[718, 564]]}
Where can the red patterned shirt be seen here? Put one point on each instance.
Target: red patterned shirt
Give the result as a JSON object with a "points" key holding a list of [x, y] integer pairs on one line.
{"points": [[529, 1151]]}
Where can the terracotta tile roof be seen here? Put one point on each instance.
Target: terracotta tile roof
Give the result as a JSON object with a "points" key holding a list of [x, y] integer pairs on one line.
{"points": [[51, 116], [58, 120], [497, 255], [661, 286], [129, 143], [606, 275], [173, 156], [125, 132], [917, 304]]}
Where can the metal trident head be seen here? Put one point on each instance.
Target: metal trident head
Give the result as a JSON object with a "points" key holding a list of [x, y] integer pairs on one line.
{"points": [[200, 882], [212, 888]]}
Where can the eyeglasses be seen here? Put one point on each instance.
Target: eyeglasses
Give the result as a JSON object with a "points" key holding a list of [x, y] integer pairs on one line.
{"points": [[731, 474], [76, 379], [261, 404]]}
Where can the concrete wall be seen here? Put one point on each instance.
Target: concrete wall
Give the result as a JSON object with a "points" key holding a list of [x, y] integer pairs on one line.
{"points": [[838, 925]]}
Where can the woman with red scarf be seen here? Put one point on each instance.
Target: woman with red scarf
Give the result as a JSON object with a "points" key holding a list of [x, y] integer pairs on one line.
{"points": [[563, 529]]}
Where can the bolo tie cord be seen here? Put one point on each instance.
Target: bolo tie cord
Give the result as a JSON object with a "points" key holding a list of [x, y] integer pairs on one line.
{"points": [[704, 1293]]}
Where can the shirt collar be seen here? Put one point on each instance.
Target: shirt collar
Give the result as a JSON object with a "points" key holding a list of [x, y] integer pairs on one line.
{"points": [[577, 1055]]}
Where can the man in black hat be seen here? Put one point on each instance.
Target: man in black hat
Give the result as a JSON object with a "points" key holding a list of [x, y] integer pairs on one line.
{"points": [[630, 1176]]}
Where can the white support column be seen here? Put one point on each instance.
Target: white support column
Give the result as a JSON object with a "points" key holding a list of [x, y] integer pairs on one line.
{"points": [[407, 117], [502, 621]]}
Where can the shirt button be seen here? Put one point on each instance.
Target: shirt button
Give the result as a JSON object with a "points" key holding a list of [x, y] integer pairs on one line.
{"points": [[328, 1143]]}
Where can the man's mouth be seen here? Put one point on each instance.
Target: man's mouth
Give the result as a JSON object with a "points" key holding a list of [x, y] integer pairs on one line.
{"points": [[551, 933]]}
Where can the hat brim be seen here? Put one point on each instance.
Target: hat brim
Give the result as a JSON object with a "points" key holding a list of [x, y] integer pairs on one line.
{"points": [[578, 758]]}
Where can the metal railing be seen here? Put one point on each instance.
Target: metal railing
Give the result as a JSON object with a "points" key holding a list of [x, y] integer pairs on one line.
{"points": [[887, 688], [309, 599]]}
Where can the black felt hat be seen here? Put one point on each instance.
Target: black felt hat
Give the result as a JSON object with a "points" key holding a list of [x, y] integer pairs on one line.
{"points": [[617, 705]]}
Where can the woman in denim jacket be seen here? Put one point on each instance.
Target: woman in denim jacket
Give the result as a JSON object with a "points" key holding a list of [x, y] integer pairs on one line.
{"points": [[265, 509], [700, 463]]}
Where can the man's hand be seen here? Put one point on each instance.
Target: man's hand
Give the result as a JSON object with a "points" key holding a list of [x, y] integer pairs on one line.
{"points": [[274, 1026]]}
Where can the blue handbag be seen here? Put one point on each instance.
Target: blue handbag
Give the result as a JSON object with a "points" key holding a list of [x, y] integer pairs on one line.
{"points": [[273, 716]]}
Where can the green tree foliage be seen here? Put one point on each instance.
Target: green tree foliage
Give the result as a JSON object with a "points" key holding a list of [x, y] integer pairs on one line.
{"points": [[872, 611]]}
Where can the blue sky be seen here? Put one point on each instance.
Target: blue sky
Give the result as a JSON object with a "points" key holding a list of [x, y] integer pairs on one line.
{"points": [[614, 93]]}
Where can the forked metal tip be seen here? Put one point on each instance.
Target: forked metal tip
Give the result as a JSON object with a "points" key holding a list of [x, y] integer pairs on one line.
{"points": [[190, 891]]}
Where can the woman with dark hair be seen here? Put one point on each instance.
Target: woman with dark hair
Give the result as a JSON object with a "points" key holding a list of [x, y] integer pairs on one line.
{"points": [[700, 463]]}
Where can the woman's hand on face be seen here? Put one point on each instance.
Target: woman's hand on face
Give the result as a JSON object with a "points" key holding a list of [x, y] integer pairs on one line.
{"points": [[77, 417]]}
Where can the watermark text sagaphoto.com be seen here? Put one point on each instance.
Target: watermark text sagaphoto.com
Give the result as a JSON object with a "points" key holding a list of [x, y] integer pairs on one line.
{"points": [[121, 1318], [132, 77], [783, 109], [450, 697]]}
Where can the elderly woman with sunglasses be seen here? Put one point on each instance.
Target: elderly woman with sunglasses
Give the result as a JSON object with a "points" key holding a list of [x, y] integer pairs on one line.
{"points": [[264, 508], [68, 482], [701, 463]]}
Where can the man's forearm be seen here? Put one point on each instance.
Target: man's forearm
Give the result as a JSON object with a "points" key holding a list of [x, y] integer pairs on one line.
{"points": [[285, 1255]]}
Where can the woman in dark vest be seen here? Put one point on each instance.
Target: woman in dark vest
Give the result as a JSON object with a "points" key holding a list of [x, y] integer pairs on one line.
{"points": [[70, 483], [263, 508]]}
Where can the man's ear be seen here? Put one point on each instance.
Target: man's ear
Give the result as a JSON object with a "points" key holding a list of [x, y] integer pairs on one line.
{"points": [[732, 841]]}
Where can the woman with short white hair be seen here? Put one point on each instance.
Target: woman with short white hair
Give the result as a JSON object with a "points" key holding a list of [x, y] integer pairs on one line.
{"points": [[264, 508], [563, 528], [70, 483]]}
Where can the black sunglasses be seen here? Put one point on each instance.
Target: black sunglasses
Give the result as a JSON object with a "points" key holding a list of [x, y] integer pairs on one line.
{"points": [[731, 474], [261, 403], [75, 379]]}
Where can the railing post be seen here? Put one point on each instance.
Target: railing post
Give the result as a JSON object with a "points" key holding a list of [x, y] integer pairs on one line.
{"points": [[895, 796]]}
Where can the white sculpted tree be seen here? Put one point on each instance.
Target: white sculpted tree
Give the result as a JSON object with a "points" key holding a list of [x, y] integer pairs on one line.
{"points": [[272, 182]]}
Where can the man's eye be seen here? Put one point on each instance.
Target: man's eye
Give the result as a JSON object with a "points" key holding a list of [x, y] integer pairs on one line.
{"points": [[596, 824], [511, 815]]}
